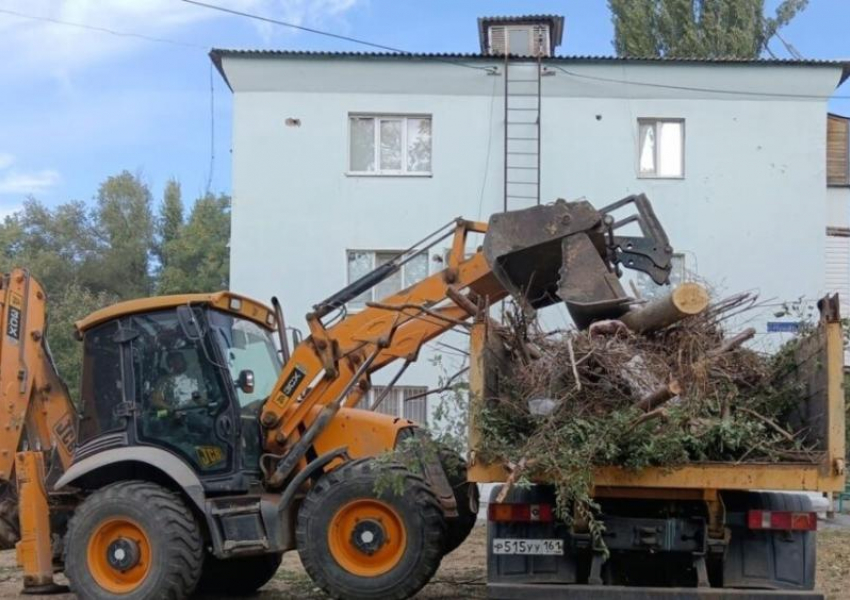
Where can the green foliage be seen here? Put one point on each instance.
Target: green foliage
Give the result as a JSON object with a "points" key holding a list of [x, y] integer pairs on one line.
{"points": [[697, 28], [88, 257], [197, 258]]}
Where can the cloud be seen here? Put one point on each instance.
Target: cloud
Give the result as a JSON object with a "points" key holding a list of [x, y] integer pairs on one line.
{"points": [[15, 181], [42, 47]]}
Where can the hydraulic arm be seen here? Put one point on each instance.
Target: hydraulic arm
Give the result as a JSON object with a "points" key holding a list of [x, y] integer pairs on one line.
{"points": [[564, 251]]}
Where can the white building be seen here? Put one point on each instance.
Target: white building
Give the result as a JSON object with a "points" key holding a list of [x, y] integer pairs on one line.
{"points": [[341, 159]]}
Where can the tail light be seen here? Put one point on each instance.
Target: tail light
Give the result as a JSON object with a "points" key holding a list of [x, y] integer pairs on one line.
{"points": [[528, 513], [782, 519]]}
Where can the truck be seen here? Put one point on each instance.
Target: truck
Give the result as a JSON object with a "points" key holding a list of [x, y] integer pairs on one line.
{"points": [[730, 530]]}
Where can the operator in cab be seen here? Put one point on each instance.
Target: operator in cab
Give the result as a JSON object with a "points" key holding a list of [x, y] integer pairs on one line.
{"points": [[176, 389]]}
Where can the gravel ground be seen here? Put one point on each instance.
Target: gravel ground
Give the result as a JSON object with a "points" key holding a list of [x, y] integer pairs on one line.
{"points": [[462, 576]]}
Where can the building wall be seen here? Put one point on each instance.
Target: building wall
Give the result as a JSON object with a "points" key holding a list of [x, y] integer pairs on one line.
{"points": [[750, 212]]}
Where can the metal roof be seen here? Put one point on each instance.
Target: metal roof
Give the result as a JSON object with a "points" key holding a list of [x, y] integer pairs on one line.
{"points": [[217, 54], [556, 23]]}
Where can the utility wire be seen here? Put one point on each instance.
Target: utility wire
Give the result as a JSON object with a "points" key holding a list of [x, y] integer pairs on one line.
{"points": [[698, 89], [140, 36], [337, 36]]}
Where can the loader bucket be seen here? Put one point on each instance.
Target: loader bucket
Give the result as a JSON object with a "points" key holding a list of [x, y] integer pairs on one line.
{"points": [[567, 251]]}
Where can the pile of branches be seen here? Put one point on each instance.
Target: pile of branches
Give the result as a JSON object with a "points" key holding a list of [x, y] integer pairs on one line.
{"points": [[607, 396]]}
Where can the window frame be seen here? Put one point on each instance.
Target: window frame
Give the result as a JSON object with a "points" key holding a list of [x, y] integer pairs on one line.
{"points": [[398, 393], [374, 252], [655, 122], [378, 172]]}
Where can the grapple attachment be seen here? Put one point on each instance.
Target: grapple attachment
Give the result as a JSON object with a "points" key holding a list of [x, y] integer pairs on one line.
{"points": [[568, 251]]}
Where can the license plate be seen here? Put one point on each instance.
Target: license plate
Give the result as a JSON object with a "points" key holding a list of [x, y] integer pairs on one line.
{"points": [[529, 547]]}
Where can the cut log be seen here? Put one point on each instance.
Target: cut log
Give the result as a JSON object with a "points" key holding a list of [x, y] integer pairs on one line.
{"points": [[733, 343], [687, 300], [660, 395]]}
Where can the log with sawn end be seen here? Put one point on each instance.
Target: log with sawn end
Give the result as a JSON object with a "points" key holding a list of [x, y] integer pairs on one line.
{"points": [[686, 300]]}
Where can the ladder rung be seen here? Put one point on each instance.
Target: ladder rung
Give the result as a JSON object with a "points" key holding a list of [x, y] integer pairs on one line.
{"points": [[522, 153], [523, 138], [515, 95], [522, 182], [523, 168], [512, 108], [524, 197], [522, 80]]}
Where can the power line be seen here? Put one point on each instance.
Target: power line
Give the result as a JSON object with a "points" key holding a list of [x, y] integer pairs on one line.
{"points": [[699, 89], [140, 36], [337, 36]]}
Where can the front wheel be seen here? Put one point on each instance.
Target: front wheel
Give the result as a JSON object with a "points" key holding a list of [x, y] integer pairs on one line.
{"points": [[357, 544], [133, 540]]}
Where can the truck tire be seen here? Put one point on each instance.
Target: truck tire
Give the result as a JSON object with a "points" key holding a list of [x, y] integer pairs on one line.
{"points": [[357, 544], [237, 576], [466, 495], [133, 540], [769, 559]]}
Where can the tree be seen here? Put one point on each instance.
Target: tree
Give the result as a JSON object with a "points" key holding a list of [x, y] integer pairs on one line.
{"points": [[697, 28], [125, 228], [198, 258], [170, 220]]}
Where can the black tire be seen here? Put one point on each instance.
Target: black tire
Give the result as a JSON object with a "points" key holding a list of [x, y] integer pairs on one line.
{"points": [[237, 576], [416, 509], [466, 495], [172, 534]]}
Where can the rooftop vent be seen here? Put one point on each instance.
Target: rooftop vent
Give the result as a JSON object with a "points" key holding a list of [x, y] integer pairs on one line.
{"points": [[526, 35]]}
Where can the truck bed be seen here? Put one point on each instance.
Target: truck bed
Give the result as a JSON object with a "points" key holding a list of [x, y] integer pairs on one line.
{"points": [[820, 410]]}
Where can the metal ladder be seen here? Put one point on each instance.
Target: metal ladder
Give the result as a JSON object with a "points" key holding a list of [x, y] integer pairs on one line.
{"points": [[522, 133]]}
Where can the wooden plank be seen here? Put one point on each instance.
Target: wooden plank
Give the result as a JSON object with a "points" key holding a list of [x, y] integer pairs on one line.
{"points": [[837, 151]]}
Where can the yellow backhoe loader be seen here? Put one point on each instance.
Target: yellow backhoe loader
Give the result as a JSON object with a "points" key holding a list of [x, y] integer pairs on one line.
{"points": [[203, 448]]}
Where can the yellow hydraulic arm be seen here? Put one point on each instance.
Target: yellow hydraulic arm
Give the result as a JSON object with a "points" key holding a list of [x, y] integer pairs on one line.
{"points": [[37, 419]]}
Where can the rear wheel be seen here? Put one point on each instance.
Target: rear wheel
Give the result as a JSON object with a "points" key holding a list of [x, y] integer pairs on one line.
{"points": [[466, 497], [238, 576], [359, 545], [133, 540]]}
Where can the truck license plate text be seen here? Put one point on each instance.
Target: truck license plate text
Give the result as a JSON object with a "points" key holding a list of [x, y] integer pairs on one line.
{"points": [[531, 547]]}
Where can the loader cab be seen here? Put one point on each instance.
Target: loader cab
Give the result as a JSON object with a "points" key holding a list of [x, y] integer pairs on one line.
{"points": [[187, 374]]}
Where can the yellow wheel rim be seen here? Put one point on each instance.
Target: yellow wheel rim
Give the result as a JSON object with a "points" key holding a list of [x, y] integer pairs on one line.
{"points": [[367, 537], [119, 555]]}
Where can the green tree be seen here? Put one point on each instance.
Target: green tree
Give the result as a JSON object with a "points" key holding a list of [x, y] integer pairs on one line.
{"points": [[65, 307], [125, 229], [170, 220], [198, 258], [697, 28]]}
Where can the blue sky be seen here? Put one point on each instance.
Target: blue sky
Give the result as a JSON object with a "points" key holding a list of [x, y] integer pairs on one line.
{"points": [[78, 105]]}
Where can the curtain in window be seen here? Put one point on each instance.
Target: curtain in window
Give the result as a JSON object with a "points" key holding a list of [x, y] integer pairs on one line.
{"points": [[362, 144]]}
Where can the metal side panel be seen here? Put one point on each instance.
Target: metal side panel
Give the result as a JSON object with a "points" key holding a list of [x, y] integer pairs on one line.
{"points": [[518, 591]]}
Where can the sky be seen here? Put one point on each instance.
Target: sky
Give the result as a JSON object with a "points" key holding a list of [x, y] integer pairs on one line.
{"points": [[134, 90]]}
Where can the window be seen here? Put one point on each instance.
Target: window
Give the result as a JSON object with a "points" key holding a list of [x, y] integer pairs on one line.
{"points": [[403, 401], [661, 148], [361, 262], [389, 145]]}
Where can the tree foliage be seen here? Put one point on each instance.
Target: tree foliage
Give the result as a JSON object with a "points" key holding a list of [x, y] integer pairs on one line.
{"points": [[90, 256], [697, 28]]}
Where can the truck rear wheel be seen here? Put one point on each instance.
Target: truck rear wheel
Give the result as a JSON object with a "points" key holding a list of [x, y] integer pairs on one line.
{"points": [[133, 540], [238, 576], [358, 545], [466, 495]]}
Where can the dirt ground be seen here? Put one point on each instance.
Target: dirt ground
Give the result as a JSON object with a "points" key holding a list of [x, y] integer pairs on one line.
{"points": [[463, 574]]}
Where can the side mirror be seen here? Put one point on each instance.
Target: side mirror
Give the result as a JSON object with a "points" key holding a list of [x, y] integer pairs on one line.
{"points": [[246, 381]]}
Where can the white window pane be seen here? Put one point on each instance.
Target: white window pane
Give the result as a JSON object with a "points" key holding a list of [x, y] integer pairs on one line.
{"points": [[362, 144], [647, 148], [416, 269], [359, 264], [391, 284], [518, 41], [670, 145], [415, 409], [389, 405], [419, 145], [391, 145]]}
